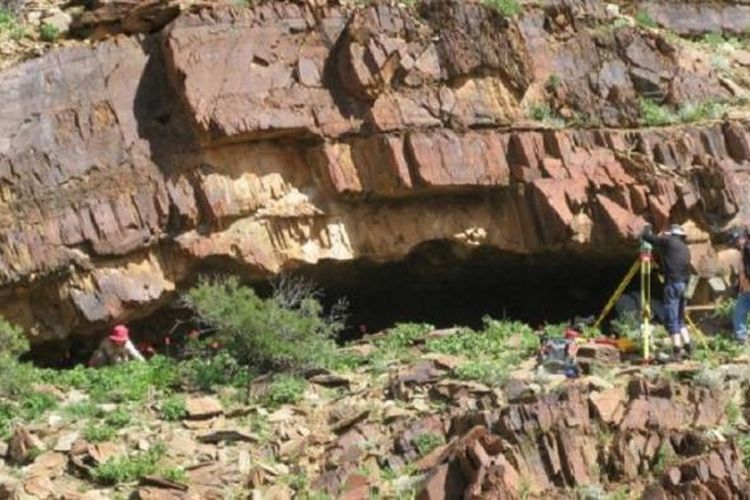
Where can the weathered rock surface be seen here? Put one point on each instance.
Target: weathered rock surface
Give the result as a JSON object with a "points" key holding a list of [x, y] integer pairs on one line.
{"points": [[283, 135]]}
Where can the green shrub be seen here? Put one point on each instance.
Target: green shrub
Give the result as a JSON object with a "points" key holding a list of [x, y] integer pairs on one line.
{"points": [[654, 114], [743, 443], [127, 469], [487, 372], [37, 404], [210, 368], [119, 418], [97, 433], [13, 342], [427, 442], [123, 382], [732, 412], [48, 32], [508, 8], [643, 18], [286, 332], [81, 410], [285, 389], [709, 110], [176, 474], [173, 408], [9, 24], [541, 112], [553, 82], [725, 308]]}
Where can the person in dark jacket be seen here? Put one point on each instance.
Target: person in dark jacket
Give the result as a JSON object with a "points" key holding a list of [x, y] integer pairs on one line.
{"points": [[674, 259], [742, 306]]}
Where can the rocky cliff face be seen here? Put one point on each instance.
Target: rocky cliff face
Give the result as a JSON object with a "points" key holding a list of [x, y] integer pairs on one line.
{"points": [[286, 134]]}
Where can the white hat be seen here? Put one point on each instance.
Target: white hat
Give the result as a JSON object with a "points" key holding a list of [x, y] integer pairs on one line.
{"points": [[676, 230]]}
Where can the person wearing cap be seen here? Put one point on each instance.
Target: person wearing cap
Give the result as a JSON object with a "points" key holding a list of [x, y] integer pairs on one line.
{"points": [[115, 349], [742, 306], [675, 263]]}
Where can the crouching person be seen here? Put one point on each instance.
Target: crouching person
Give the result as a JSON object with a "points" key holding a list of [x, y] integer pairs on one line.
{"points": [[115, 349]]}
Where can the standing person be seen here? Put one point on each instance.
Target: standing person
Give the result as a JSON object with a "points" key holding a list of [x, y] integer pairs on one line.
{"points": [[115, 349], [675, 263], [742, 306]]}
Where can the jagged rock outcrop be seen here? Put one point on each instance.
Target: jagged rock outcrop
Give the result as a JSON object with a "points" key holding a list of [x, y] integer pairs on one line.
{"points": [[285, 134]]}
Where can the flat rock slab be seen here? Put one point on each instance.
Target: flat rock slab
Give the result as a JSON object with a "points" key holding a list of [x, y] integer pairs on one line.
{"points": [[203, 408]]}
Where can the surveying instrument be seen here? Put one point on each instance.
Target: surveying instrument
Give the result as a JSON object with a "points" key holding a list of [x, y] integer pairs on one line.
{"points": [[642, 264]]}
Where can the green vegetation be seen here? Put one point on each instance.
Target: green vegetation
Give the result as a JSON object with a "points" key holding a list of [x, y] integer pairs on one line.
{"points": [[725, 308], [733, 412], [48, 32], [664, 458], [644, 19], [494, 350], [508, 8], [97, 433], [173, 408], [129, 468], [553, 82], [655, 115], [286, 332], [427, 442], [396, 344], [176, 474], [285, 389], [541, 112], [743, 443], [9, 24]]}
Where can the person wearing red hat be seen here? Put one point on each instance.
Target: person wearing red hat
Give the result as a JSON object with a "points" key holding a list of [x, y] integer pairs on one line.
{"points": [[115, 349]]}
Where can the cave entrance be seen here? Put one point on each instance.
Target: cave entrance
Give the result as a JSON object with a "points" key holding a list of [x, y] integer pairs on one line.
{"points": [[446, 285]]}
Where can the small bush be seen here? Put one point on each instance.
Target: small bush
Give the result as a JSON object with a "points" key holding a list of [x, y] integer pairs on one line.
{"points": [[211, 368], [643, 18], [49, 33], [176, 474], [732, 412], [286, 332], [127, 469], [97, 433], [173, 408], [119, 418], [285, 389], [13, 342], [9, 24], [654, 114], [508, 8], [553, 82], [37, 404], [709, 110], [427, 442], [81, 410], [743, 443], [541, 112]]}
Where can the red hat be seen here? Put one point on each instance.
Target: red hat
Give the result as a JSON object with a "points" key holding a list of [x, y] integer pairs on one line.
{"points": [[119, 334]]}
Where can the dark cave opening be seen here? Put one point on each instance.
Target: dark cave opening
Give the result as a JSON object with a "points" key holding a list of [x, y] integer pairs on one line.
{"points": [[447, 285], [439, 282]]}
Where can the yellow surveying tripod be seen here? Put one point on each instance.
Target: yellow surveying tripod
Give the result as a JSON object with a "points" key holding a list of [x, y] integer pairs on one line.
{"points": [[643, 263]]}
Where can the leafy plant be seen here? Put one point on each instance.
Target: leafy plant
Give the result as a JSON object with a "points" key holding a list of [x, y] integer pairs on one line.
{"points": [[9, 24], [37, 404], [708, 110], [427, 442], [48, 32], [508, 8], [743, 443], [97, 433], [285, 389], [173, 408], [664, 458], [724, 308], [126, 469], [654, 114], [119, 418], [643, 18], [541, 112], [176, 474], [733, 412], [553, 82], [287, 332], [81, 410]]}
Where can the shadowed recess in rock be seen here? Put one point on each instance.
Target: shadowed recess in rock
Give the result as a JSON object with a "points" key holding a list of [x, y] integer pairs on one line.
{"points": [[447, 285]]}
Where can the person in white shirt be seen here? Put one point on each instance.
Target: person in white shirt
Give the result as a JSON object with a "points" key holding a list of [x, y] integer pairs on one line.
{"points": [[115, 349]]}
